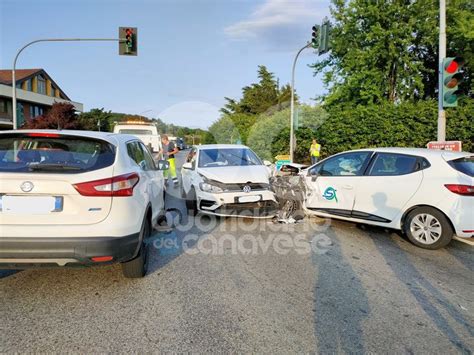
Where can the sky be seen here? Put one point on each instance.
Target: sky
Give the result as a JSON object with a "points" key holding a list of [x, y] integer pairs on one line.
{"points": [[191, 54]]}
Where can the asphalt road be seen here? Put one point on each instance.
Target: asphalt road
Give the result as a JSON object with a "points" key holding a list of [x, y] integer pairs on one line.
{"points": [[252, 286]]}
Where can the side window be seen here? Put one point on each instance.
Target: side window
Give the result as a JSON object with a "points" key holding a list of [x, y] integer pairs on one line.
{"points": [[348, 164], [390, 164], [149, 163], [137, 154]]}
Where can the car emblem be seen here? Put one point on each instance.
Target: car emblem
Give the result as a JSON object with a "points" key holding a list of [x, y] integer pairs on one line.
{"points": [[26, 186], [246, 189]]}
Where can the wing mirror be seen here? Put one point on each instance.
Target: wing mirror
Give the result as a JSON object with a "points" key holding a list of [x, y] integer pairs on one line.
{"points": [[267, 163], [162, 165], [188, 166]]}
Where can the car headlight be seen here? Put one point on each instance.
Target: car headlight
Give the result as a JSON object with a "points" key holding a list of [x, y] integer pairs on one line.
{"points": [[206, 187]]}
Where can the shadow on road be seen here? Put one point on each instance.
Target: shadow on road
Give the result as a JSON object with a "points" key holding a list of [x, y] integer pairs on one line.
{"points": [[338, 315], [431, 300], [167, 246], [7, 273]]}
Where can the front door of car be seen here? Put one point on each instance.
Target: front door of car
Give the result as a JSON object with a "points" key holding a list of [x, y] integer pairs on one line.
{"points": [[390, 182], [332, 184]]}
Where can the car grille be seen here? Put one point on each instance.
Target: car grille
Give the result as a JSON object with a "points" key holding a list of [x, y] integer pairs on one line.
{"points": [[240, 187], [252, 209]]}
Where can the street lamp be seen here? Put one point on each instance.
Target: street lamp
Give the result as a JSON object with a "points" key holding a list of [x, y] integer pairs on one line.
{"points": [[292, 103]]}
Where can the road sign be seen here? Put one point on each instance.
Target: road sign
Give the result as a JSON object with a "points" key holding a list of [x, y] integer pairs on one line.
{"points": [[128, 40], [455, 146]]}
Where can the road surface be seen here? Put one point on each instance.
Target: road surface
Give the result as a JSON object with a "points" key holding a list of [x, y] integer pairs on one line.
{"points": [[240, 286]]}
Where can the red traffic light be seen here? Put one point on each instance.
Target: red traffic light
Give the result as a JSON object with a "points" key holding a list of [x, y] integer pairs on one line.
{"points": [[453, 66]]}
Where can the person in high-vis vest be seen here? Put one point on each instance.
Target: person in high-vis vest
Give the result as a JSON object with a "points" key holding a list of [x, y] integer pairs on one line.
{"points": [[168, 151], [315, 151]]}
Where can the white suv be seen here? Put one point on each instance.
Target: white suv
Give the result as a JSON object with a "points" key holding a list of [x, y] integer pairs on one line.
{"points": [[429, 194], [77, 198]]}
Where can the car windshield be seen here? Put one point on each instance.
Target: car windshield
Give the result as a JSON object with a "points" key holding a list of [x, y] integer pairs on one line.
{"points": [[227, 157], [464, 165], [40, 153], [140, 132]]}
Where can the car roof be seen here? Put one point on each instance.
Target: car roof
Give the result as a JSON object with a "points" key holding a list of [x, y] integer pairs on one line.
{"points": [[220, 146], [424, 152], [106, 136]]}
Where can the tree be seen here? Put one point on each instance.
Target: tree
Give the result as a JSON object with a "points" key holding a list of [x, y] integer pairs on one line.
{"points": [[96, 119], [60, 116], [387, 51], [259, 97]]}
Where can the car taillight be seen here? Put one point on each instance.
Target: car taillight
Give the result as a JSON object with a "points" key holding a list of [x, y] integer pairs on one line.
{"points": [[117, 186], [465, 190]]}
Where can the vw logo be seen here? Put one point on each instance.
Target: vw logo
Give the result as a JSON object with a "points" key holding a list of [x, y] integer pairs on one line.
{"points": [[246, 189], [26, 186]]}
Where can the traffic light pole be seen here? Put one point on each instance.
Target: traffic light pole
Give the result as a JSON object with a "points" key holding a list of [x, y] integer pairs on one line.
{"points": [[292, 103], [15, 122], [442, 55]]}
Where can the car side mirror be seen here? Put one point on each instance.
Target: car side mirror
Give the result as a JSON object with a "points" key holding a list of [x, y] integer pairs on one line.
{"points": [[267, 163], [188, 166], [162, 165]]}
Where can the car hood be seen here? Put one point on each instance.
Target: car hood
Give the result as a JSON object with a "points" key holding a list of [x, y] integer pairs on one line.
{"points": [[237, 174]]}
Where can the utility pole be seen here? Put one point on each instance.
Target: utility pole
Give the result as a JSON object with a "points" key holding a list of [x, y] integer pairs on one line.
{"points": [[442, 55], [292, 103], [15, 122]]}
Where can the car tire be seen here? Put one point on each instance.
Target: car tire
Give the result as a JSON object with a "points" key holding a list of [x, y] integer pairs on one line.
{"points": [[191, 202], [428, 228], [137, 267]]}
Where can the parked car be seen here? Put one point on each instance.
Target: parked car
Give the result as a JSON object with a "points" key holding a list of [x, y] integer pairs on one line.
{"points": [[180, 143], [227, 180], [428, 194], [146, 132], [71, 198]]}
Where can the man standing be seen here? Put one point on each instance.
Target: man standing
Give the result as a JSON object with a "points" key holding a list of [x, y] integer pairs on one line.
{"points": [[314, 151], [168, 151]]}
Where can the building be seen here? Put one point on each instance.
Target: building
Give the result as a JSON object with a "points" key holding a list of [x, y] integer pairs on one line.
{"points": [[36, 93]]}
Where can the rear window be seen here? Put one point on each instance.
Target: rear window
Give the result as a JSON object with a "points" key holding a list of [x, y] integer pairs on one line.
{"points": [[464, 165], [139, 132], [51, 153]]}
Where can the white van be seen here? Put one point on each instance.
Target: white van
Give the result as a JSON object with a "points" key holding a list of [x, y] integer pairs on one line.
{"points": [[146, 132]]}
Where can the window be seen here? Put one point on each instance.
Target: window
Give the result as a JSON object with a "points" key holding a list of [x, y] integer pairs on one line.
{"points": [[3, 106], [29, 85], [348, 164], [464, 165], [227, 157], [139, 154], [390, 164], [149, 162], [137, 132], [61, 155], [41, 85]]}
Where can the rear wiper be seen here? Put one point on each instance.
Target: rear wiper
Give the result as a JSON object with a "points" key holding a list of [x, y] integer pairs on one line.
{"points": [[53, 167]]}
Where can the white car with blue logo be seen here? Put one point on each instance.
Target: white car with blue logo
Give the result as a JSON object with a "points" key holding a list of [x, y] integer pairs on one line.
{"points": [[428, 194]]}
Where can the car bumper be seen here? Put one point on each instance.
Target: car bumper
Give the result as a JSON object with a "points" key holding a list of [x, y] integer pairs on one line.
{"points": [[33, 252], [229, 205]]}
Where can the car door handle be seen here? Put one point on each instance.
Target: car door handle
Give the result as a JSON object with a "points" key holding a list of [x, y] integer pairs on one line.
{"points": [[348, 187]]}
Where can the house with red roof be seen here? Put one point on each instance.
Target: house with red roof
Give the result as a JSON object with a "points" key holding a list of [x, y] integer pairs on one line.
{"points": [[36, 92]]}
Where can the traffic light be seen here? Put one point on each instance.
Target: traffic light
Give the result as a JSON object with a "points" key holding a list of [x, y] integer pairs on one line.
{"points": [[324, 37], [451, 77], [315, 37], [127, 40]]}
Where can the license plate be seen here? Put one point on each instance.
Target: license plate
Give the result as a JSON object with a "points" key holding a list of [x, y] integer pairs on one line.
{"points": [[30, 204], [244, 199]]}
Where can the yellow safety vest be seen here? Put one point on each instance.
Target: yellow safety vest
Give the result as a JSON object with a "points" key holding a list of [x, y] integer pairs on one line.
{"points": [[315, 149]]}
